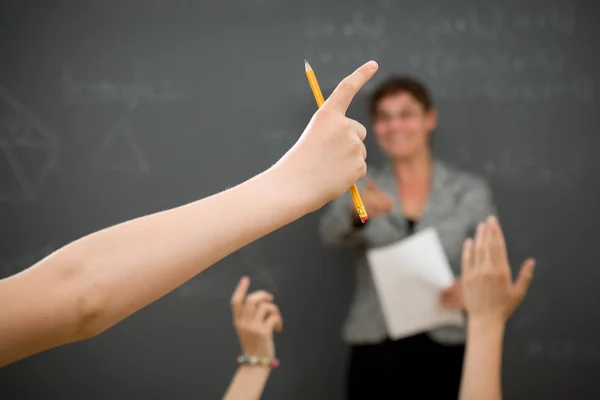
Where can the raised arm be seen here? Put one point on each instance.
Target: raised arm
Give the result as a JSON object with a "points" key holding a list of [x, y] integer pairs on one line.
{"points": [[255, 317], [91, 284], [490, 299]]}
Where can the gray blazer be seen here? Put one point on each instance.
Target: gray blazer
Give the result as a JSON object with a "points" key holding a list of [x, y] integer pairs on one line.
{"points": [[457, 203]]}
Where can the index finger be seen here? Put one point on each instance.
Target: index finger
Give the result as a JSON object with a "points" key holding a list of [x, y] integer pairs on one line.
{"points": [[239, 294], [343, 94], [502, 253]]}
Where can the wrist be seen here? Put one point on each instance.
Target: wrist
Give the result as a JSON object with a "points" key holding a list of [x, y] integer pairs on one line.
{"points": [[293, 193], [486, 325], [262, 361]]}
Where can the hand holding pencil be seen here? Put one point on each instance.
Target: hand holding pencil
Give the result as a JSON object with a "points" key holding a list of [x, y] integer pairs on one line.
{"points": [[346, 84], [329, 157]]}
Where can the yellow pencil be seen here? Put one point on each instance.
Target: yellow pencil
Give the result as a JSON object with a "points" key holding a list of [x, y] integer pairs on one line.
{"points": [[314, 85]]}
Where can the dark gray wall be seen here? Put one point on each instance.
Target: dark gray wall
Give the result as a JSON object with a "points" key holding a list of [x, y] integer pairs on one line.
{"points": [[114, 109]]}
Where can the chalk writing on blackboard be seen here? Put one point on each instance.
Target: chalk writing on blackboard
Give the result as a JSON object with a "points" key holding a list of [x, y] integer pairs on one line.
{"points": [[577, 87], [519, 167], [440, 63], [22, 137], [129, 93], [554, 350], [121, 151], [487, 21], [19, 263], [349, 42]]}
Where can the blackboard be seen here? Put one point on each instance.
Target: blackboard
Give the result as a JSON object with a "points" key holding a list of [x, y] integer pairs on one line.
{"points": [[113, 109]]}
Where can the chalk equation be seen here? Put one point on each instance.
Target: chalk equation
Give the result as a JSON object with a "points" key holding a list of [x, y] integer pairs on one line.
{"points": [[347, 43], [121, 151], [129, 93], [581, 88], [518, 167], [218, 283], [563, 351], [19, 263], [24, 141], [487, 20], [441, 63]]}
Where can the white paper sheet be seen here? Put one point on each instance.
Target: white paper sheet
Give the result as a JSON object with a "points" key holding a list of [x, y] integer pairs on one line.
{"points": [[410, 276]]}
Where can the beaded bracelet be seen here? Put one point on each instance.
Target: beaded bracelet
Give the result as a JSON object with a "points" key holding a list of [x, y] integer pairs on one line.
{"points": [[256, 360]]}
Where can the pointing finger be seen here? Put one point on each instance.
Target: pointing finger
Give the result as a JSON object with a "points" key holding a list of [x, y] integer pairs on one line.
{"points": [[237, 299], [343, 94]]}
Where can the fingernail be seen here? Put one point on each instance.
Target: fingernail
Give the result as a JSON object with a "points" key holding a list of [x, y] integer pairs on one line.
{"points": [[372, 64], [492, 219]]}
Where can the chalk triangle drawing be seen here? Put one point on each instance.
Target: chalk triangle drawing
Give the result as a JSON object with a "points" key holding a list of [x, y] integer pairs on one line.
{"points": [[28, 150], [121, 151]]}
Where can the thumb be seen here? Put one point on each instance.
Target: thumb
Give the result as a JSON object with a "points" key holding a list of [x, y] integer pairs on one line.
{"points": [[344, 93], [524, 278]]}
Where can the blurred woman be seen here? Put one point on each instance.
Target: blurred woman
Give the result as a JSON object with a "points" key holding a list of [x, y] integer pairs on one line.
{"points": [[412, 192]]}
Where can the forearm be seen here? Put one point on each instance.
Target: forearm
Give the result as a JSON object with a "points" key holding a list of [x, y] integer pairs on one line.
{"points": [[248, 383], [482, 368], [95, 282]]}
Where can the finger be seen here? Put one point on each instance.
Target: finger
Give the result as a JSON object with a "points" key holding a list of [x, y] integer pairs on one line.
{"points": [[449, 291], [386, 201], [380, 204], [361, 131], [494, 252], [343, 94], [274, 322], [445, 295], [264, 309], [363, 171], [387, 206], [467, 257], [267, 311], [254, 299], [363, 150], [454, 305], [237, 299], [502, 254], [488, 244], [451, 303], [524, 278], [479, 246]]}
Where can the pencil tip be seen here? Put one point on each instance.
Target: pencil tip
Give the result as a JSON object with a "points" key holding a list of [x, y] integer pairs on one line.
{"points": [[307, 66]]}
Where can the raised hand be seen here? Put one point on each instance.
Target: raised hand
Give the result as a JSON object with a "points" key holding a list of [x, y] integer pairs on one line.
{"points": [[376, 201], [330, 155], [255, 317], [488, 288]]}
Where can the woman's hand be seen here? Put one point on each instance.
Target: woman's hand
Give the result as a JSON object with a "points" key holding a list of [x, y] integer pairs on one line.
{"points": [[376, 201], [452, 297], [255, 317]]}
